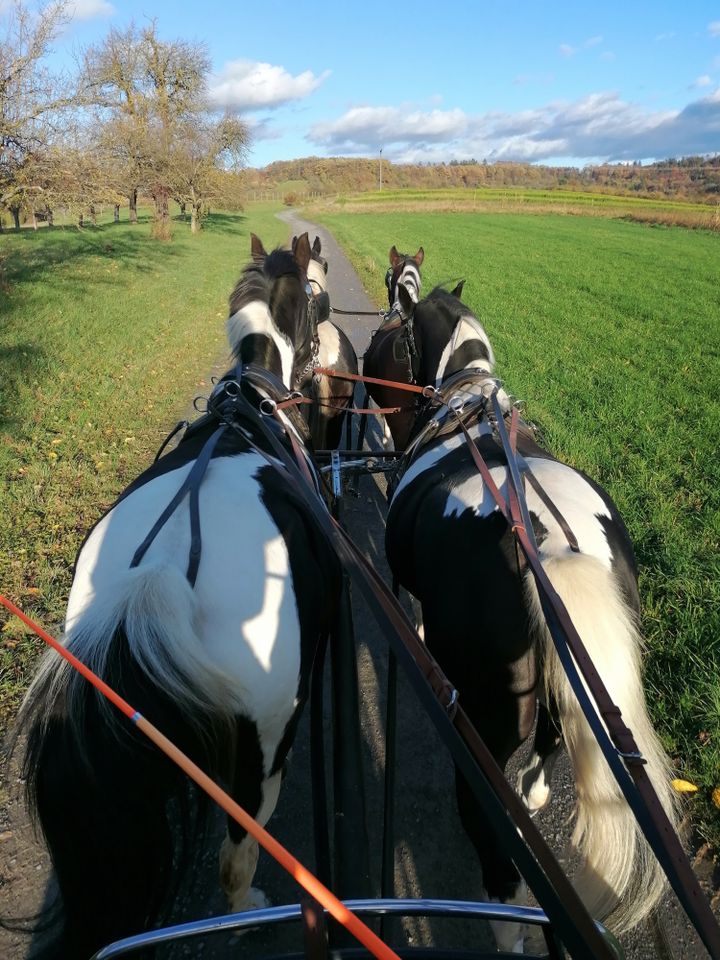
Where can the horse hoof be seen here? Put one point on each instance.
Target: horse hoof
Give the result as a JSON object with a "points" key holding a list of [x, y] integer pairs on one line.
{"points": [[254, 899], [533, 787]]}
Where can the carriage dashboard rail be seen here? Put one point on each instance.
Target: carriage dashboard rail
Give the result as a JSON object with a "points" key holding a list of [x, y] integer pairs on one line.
{"points": [[401, 907]]}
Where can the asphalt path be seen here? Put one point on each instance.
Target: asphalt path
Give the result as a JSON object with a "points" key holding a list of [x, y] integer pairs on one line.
{"points": [[433, 858]]}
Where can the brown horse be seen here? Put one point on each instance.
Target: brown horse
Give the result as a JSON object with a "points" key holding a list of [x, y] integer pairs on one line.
{"points": [[389, 355]]}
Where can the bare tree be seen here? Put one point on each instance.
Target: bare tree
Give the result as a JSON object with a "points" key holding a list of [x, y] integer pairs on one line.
{"points": [[33, 102], [205, 156], [146, 89]]}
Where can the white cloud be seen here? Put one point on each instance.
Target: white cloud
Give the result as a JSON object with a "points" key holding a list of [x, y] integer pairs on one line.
{"points": [[569, 51], [703, 81], [249, 85], [90, 9], [388, 125], [600, 126], [714, 28]]}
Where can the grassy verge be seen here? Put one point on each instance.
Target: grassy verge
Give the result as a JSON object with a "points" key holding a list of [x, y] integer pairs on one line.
{"points": [[106, 336], [608, 330]]}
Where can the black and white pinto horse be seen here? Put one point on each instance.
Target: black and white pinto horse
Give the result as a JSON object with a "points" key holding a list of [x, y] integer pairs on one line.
{"points": [[450, 546], [332, 396], [390, 352], [214, 647]]}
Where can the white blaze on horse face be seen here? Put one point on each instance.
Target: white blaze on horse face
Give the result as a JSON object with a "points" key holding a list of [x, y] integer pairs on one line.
{"points": [[255, 317], [317, 277], [410, 279]]}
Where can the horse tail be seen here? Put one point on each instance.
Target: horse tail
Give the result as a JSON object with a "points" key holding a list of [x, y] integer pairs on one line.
{"points": [[621, 877], [100, 791]]}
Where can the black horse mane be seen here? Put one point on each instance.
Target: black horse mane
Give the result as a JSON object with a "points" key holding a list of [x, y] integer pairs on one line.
{"points": [[257, 278], [454, 306]]}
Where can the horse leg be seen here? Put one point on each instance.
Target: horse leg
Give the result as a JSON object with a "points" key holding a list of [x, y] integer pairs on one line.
{"points": [[534, 779], [503, 716], [239, 851]]}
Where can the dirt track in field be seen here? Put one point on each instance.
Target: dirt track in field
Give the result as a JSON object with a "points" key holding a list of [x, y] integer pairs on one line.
{"points": [[433, 858]]}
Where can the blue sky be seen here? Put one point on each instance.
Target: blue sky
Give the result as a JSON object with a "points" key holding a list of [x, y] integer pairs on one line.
{"points": [[431, 80]]}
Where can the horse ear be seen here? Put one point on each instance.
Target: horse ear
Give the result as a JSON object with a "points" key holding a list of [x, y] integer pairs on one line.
{"points": [[457, 292], [419, 257], [317, 246], [406, 301], [256, 248], [302, 252], [394, 257]]}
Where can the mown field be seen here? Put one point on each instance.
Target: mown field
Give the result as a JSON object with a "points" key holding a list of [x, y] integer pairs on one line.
{"points": [[608, 331], [528, 200], [106, 335]]}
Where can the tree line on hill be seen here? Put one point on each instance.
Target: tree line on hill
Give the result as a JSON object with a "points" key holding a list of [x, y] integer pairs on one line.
{"points": [[134, 118], [694, 178]]}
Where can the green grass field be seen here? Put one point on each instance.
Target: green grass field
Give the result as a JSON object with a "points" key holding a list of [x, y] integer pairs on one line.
{"points": [[609, 332], [106, 337]]}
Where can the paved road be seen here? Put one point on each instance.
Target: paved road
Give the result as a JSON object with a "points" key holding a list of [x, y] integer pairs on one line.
{"points": [[433, 858]]}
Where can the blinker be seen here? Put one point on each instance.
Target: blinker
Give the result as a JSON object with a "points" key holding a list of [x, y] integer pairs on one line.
{"points": [[322, 301]]}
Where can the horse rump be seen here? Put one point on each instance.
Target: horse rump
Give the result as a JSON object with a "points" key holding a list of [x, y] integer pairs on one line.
{"points": [[119, 818]]}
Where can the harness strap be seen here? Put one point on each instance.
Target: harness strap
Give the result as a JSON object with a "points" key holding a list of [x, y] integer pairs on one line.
{"points": [[358, 313], [360, 378], [191, 485]]}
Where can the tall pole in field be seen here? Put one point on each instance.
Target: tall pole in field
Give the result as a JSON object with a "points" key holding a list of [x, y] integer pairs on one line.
{"points": [[381, 168]]}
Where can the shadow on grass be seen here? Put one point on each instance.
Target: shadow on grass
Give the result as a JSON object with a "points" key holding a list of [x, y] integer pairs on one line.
{"points": [[18, 364], [215, 223], [35, 254]]}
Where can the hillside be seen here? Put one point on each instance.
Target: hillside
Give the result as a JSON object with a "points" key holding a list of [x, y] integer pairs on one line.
{"points": [[693, 178]]}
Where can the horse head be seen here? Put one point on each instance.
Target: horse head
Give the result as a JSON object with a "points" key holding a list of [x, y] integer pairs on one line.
{"points": [[404, 269], [270, 323], [446, 335]]}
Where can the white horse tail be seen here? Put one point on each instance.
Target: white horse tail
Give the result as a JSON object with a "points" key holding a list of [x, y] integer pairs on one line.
{"points": [[152, 611], [621, 877], [98, 789]]}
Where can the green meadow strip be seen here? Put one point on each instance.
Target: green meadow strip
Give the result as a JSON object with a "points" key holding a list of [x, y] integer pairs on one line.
{"points": [[608, 332]]}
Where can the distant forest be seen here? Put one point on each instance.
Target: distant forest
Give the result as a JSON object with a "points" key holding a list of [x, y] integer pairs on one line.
{"points": [[692, 178]]}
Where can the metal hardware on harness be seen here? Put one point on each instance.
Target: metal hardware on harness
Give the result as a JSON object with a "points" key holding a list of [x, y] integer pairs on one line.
{"points": [[430, 392], [451, 705], [456, 403], [634, 756], [335, 469], [268, 407]]}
